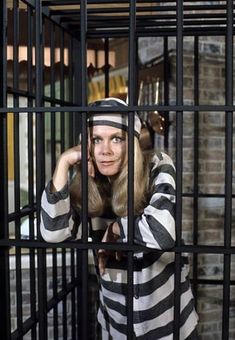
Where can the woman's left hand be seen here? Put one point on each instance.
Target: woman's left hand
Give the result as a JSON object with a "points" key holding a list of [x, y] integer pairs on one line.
{"points": [[111, 235]]}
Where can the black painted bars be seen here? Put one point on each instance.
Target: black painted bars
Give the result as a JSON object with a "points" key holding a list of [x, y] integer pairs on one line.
{"points": [[179, 161], [40, 170], [5, 326], [83, 94], [228, 170]]}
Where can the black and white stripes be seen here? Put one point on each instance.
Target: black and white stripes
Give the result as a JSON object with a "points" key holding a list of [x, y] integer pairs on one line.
{"points": [[153, 276]]}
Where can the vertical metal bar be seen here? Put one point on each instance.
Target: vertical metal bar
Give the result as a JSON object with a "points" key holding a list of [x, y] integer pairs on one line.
{"points": [[166, 93], [62, 114], [72, 142], [5, 313], [53, 163], [17, 164], [40, 171], [55, 294], [62, 65], [31, 169], [131, 100], [179, 161], [72, 134], [228, 170], [106, 66], [52, 94], [77, 89], [73, 295], [62, 138], [83, 56], [132, 55], [77, 86], [64, 302], [196, 169]]}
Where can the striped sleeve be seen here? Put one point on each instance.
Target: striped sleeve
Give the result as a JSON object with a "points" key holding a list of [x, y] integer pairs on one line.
{"points": [[155, 228], [57, 223]]}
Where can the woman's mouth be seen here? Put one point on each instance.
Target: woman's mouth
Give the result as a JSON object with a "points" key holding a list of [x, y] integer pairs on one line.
{"points": [[107, 163]]}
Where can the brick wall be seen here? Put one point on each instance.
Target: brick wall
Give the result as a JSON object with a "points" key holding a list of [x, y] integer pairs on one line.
{"points": [[26, 298], [211, 178]]}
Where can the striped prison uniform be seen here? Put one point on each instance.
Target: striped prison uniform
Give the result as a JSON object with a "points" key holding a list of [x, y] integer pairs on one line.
{"points": [[154, 268]]}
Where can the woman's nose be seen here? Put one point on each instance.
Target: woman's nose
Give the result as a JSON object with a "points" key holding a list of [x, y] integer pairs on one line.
{"points": [[106, 148]]}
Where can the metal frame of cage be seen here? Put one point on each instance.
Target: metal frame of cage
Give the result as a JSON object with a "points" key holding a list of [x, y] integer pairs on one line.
{"points": [[80, 25]]}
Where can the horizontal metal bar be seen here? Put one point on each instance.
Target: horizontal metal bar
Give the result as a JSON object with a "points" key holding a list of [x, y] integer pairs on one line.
{"points": [[124, 10], [215, 31], [202, 195], [77, 2], [78, 109], [202, 249], [211, 282], [155, 17], [149, 22], [28, 210], [21, 93], [95, 2]]}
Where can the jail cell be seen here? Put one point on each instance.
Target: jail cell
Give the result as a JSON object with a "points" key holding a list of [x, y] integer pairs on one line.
{"points": [[172, 61]]}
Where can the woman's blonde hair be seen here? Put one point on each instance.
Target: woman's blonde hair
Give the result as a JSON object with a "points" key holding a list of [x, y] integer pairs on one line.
{"points": [[102, 195]]}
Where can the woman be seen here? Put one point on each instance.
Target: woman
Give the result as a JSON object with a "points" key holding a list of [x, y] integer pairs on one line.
{"points": [[154, 227]]}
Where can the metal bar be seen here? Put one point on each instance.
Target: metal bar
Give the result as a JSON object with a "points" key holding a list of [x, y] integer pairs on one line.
{"points": [[151, 32], [62, 90], [77, 2], [179, 162], [55, 294], [16, 135], [78, 109], [64, 301], [73, 294], [83, 94], [53, 163], [40, 173], [62, 138], [31, 171], [153, 17], [52, 94], [144, 22], [124, 10], [77, 89], [132, 99], [196, 167], [122, 247], [166, 92], [72, 142], [72, 125], [228, 170], [5, 311], [106, 66], [22, 93]]}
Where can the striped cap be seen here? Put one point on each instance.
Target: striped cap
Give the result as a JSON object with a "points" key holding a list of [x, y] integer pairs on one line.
{"points": [[118, 120]]}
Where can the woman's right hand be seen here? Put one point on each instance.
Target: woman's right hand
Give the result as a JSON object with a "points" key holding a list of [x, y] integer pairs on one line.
{"points": [[70, 157], [67, 159]]}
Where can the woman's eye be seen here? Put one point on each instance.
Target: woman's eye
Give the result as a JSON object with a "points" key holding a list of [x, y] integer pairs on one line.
{"points": [[117, 139], [96, 140]]}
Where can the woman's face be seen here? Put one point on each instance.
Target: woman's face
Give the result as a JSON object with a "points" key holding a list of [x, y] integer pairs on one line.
{"points": [[108, 148]]}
